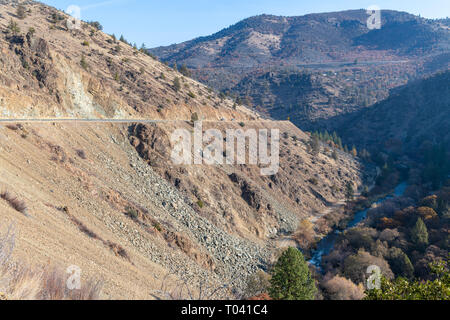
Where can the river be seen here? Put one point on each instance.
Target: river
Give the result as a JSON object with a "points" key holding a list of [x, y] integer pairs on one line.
{"points": [[326, 245]]}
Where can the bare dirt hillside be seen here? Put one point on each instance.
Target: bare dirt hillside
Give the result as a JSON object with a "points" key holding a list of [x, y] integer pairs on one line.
{"points": [[106, 197]]}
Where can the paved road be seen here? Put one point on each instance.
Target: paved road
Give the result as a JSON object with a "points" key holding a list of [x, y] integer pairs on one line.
{"points": [[59, 120]]}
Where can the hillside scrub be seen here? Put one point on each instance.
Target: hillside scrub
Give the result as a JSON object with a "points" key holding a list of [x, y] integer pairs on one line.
{"points": [[21, 282]]}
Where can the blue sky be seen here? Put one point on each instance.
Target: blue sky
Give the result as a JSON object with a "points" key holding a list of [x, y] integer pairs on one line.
{"points": [[156, 22]]}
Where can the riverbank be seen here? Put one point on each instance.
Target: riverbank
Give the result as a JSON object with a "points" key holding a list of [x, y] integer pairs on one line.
{"points": [[325, 245]]}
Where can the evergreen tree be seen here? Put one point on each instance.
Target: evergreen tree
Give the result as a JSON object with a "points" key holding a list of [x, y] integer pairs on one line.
{"points": [[349, 191], [354, 151], [291, 278], [335, 155], [419, 234], [400, 263], [315, 145]]}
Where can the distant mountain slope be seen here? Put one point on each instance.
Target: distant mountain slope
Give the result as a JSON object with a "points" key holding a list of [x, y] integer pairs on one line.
{"points": [[352, 66], [416, 113], [313, 38]]}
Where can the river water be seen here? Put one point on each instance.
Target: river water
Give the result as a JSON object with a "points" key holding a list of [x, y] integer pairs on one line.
{"points": [[326, 245]]}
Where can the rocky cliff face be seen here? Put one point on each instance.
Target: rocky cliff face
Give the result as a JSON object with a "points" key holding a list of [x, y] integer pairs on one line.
{"points": [[106, 196]]}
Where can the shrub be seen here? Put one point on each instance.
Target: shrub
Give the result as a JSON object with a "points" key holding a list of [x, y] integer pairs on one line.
{"points": [[84, 63], [81, 154], [194, 117], [402, 289], [191, 94], [185, 71], [427, 213], [13, 27], [257, 284], [389, 235], [349, 191], [14, 202], [291, 278], [54, 287], [334, 155], [85, 43], [96, 25], [361, 237], [157, 226], [21, 12], [31, 31], [305, 234], [19, 282], [200, 203], [131, 212], [177, 84], [340, 288], [355, 266], [118, 250]]}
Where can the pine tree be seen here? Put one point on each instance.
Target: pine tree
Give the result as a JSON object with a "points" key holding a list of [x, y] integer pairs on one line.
{"points": [[419, 234], [334, 155], [349, 191], [354, 152], [291, 278], [315, 145]]}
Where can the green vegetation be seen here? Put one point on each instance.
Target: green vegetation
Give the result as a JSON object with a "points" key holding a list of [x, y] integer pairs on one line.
{"points": [[31, 32], [349, 191], [13, 27], [177, 84], [131, 212], [200, 204], [84, 63], [191, 94], [95, 24], [419, 234], [194, 117], [402, 289], [291, 278], [185, 71]]}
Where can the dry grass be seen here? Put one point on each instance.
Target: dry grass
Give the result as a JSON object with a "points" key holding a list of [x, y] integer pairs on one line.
{"points": [[14, 202], [20, 282], [116, 248], [55, 288], [184, 290]]}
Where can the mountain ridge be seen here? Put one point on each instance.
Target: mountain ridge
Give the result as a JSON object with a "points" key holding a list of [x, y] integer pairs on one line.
{"points": [[337, 49]]}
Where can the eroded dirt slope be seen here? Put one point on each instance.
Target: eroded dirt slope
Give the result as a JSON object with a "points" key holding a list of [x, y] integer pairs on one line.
{"points": [[107, 198]]}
